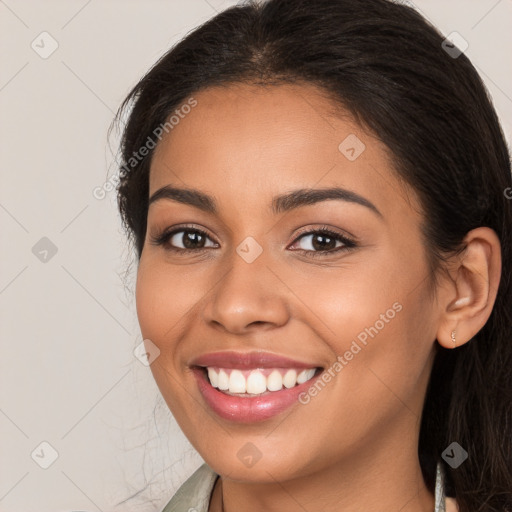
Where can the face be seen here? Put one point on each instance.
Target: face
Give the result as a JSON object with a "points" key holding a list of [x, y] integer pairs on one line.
{"points": [[332, 289]]}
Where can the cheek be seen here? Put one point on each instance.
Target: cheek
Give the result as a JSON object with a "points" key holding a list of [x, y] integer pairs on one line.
{"points": [[380, 321], [162, 300], [358, 294], [148, 293], [157, 307]]}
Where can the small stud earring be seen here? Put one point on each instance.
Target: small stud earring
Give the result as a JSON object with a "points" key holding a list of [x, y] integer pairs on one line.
{"points": [[453, 338]]}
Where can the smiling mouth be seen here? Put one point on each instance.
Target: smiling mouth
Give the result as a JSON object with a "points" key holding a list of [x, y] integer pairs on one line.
{"points": [[256, 381]]}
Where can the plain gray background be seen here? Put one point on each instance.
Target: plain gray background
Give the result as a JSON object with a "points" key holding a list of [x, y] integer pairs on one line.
{"points": [[68, 374]]}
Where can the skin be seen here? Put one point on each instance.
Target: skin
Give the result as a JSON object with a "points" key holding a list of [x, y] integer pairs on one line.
{"points": [[353, 446]]}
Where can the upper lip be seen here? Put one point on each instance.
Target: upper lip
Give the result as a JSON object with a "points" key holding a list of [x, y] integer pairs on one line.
{"points": [[244, 360]]}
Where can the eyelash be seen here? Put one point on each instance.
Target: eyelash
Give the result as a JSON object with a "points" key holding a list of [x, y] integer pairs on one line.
{"points": [[163, 238]]}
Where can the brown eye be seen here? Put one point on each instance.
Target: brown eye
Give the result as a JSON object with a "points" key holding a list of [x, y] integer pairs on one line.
{"points": [[189, 239], [323, 242], [183, 240], [319, 242]]}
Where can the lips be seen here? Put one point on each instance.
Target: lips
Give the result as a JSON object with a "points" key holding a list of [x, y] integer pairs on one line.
{"points": [[249, 360], [251, 387]]}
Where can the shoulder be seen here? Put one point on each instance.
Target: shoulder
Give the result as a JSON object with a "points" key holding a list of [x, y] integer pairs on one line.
{"points": [[195, 492]]}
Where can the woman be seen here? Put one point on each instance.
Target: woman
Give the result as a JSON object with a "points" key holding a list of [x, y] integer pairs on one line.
{"points": [[316, 192]]}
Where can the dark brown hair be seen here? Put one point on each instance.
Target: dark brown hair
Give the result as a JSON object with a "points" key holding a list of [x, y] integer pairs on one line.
{"points": [[387, 66]]}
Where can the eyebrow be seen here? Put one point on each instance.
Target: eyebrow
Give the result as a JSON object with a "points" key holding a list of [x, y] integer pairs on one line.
{"points": [[280, 204]]}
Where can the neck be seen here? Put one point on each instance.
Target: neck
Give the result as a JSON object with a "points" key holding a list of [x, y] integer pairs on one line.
{"points": [[371, 481]]}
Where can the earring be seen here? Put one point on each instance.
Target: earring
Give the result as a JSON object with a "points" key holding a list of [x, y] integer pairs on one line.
{"points": [[453, 338]]}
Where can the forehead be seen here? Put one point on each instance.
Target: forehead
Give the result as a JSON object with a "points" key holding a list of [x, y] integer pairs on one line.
{"points": [[241, 139]]}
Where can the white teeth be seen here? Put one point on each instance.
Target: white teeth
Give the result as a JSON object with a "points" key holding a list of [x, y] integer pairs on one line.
{"points": [[290, 379], [274, 381], [237, 382], [214, 377], [223, 383], [304, 375], [256, 383]]}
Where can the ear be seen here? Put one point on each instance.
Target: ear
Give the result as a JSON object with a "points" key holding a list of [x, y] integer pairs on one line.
{"points": [[468, 299]]}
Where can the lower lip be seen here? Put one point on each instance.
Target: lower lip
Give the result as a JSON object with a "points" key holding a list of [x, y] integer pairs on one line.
{"points": [[249, 409]]}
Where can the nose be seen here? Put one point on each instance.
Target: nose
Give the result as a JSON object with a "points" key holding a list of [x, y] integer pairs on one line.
{"points": [[248, 297]]}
